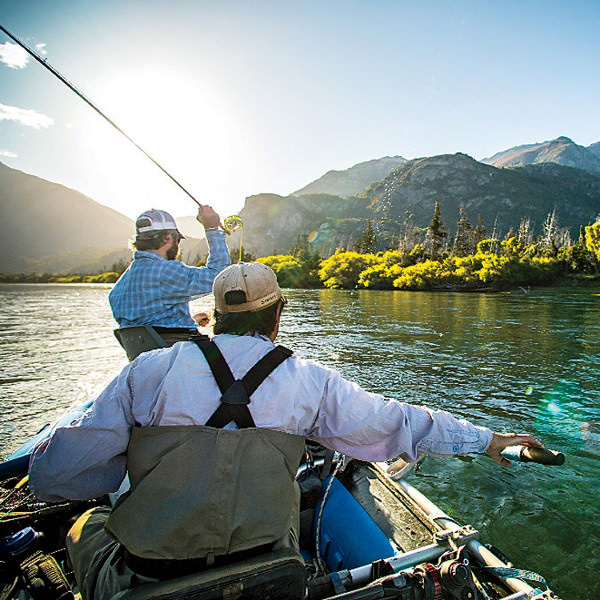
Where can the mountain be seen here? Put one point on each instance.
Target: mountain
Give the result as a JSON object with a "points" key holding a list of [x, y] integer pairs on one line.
{"points": [[502, 197], [353, 180], [595, 148], [49, 228], [562, 151], [190, 227]]}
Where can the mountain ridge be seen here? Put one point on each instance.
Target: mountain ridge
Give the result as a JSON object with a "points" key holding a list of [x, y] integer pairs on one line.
{"points": [[51, 228], [407, 197], [562, 150], [351, 181]]}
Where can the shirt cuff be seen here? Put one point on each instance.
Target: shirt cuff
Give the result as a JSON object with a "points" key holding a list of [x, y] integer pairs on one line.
{"points": [[214, 235]]}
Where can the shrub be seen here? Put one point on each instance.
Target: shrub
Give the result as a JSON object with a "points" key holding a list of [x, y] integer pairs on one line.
{"points": [[343, 269]]}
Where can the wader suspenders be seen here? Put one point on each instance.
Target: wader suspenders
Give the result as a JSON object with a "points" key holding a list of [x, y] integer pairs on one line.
{"points": [[237, 392]]}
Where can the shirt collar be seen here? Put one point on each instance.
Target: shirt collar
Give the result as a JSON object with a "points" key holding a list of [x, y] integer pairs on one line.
{"points": [[147, 254]]}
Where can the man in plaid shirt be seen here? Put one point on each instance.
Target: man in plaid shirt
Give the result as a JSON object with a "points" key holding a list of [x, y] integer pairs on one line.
{"points": [[156, 289]]}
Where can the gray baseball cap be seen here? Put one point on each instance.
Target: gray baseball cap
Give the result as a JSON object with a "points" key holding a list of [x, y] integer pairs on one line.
{"points": [[155, 220]]}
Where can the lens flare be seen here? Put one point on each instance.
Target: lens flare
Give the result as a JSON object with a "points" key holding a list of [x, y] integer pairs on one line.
{"points": [[565, 414]]}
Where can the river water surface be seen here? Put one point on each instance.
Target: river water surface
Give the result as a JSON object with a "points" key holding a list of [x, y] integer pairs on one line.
{"points": [[526, 362]]}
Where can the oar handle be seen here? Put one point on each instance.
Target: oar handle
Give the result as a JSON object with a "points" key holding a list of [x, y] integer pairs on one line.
{"points": [[543, 456]]}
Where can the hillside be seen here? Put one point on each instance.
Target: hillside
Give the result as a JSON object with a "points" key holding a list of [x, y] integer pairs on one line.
{"points": [[49, 228], [595, 149], [353, 180], [562, 151], [502, 197]]}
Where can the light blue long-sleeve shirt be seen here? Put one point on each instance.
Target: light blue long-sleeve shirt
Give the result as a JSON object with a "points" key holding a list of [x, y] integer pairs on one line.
{"points": [[174, 386], [156, 291]]}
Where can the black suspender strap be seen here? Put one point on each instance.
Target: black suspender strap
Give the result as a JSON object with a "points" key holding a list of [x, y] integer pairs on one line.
{"points": [[264, 367], [236, 393], [219, 367]]}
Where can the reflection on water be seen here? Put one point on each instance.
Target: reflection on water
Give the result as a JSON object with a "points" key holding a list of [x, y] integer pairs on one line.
{"points": [[522, 362]]}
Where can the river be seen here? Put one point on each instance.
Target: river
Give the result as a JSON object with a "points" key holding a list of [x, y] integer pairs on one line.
{"points": [[527, 362]]}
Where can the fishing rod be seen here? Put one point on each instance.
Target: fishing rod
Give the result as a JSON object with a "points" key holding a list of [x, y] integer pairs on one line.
{"points": [[44, 62]]}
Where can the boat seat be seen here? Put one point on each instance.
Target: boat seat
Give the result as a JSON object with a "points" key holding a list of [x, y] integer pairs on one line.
{"points": [[276, 575], [138, 339]]}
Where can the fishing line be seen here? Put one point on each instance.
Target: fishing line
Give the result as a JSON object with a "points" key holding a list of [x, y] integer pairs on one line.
{"points": [[44, 62]]}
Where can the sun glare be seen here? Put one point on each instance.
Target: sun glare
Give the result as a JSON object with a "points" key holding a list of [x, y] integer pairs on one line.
{"points": [[180, 121]]}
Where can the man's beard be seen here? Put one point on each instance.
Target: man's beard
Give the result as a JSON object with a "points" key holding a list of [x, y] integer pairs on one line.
{"points": [[173, 250]]}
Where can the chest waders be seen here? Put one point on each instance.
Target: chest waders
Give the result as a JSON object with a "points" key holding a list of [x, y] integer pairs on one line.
{"points": [[203, 495]]}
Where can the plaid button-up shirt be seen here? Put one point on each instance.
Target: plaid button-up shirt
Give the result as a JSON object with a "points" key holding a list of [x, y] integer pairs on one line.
{"points": [[157, 291]]}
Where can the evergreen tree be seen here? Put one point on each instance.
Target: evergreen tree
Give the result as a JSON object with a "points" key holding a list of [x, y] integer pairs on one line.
{"points": [[301, 247], [366, 244], [436, 232], [580, 259], [394, 242], [480, 231], [464, 240]]}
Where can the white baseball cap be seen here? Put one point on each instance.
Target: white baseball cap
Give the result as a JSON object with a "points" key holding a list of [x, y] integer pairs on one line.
{"points": [[257, 281], [155, 220]]}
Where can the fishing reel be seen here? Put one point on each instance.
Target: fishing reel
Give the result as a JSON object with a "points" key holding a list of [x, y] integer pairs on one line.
{"points": [[233, 223], [450, 579], [24, 563]]}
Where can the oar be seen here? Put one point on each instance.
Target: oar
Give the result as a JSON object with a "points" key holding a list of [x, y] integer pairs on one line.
{"points": [[542, 456]]}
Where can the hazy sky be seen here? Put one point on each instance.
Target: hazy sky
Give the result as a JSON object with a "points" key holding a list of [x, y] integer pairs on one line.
{"points": [[239, 97]]}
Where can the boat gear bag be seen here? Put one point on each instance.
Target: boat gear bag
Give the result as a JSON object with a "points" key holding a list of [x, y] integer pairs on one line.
{"points": [[197, 492]]}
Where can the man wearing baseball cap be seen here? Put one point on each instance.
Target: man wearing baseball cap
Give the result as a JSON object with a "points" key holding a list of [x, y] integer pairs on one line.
{"points": [[212, 433], [156, 289]]}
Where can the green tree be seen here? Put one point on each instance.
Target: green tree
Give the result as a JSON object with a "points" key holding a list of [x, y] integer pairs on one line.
{"points": [[464, 239], [592, 240], [436, 233], [578, 257], [366, 244], [479, 233], [288, 269]]}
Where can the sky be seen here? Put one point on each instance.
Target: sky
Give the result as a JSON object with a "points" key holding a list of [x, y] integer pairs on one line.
{"points": [[239, 97]]}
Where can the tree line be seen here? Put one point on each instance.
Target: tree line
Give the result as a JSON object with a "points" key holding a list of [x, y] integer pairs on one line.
{"points": [[422, 259], [429, 259]]}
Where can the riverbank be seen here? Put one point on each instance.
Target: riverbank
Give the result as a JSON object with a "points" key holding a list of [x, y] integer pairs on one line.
{"points": [[568, 281]]}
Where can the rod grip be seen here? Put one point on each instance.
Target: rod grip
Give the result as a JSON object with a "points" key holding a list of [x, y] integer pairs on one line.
{"points": [[542, 456]]}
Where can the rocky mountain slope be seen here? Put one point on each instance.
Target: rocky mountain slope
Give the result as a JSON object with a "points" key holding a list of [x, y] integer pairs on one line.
{"points": [[562, 151], [502, 197], [353, 180]]}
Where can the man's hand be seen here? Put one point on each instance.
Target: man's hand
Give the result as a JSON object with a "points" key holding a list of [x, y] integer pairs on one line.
{"points": [[208, 217], [504, 440], [202, 319]]}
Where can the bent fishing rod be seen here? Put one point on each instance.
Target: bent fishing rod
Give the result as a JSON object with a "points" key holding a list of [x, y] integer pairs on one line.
{"points": [[44, 62]]}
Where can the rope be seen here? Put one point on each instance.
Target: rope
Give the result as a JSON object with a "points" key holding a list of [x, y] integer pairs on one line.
{"points": [[321, 568], [518, 574]]}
